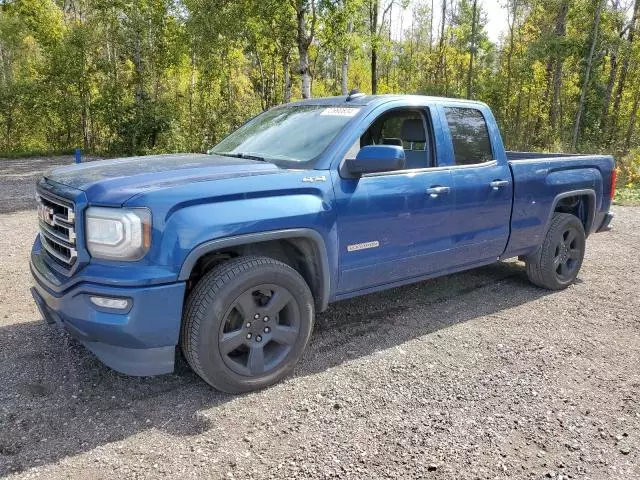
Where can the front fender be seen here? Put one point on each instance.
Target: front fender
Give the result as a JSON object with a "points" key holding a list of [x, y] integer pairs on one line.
{"points": [[191, 226], [197, 230], [191, 219]]}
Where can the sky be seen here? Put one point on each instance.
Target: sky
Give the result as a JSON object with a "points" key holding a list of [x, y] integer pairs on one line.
{"points": [[496, 16]]}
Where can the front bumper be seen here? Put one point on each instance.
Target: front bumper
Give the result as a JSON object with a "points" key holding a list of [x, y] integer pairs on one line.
{"points": [[139, 340]]}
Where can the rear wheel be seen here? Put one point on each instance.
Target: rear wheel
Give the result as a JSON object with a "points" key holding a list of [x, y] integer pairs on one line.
{"points": [[247, 323], [557, 262]]}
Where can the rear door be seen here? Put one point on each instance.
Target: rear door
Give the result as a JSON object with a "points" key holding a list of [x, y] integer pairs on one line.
{"points": [[393, 226], [483, 185]]}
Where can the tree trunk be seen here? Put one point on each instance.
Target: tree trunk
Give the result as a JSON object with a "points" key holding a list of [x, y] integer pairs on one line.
{"points": [[192, 85], [587, 73], [304, 40], [624, 68], [263, 100], [431, 27], [561, 31], [3, 64], [512, 25], [537, 126], [516, 126], [409, 75], [8, 114], [139, 75], [506, 111], [344, 74], [304, 71], [389, 65], [85, 123], [472, 50], [441, 59], [373, 28], [374, 69], [613, 72], [632, 120], [287, 78]]}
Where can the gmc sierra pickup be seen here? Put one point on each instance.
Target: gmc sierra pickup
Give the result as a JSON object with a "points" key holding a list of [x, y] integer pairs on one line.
{"points": [[228, 255]]}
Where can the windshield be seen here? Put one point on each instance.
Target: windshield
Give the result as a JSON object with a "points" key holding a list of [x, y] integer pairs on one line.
{"points": [[291, 134]]}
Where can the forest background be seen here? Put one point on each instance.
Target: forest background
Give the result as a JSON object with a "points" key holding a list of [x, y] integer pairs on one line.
{"points": [[125, 77]]}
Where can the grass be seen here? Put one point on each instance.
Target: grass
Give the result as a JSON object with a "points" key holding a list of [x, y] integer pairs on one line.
{"points": [[629, 196]]}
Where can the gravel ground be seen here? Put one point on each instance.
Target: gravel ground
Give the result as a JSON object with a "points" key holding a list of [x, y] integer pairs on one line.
{"points": [[474, 375], [18, 176]]}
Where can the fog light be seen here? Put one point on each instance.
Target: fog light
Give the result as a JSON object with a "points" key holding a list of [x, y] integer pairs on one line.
{"points": [[108, 302]]}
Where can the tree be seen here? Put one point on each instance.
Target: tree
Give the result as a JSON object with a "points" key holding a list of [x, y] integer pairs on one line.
{"points": [[306, 31], [614, 48], [560, 33], [344, 74], [376, 23], [472, 50], [587, 73], [441, 44], [140, 76], [624, 69], [338, 34]]}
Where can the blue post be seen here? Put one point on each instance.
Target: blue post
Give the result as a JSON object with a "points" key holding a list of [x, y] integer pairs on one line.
{"points": [[78, 156]]}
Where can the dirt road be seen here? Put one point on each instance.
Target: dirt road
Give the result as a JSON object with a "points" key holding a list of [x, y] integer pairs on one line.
{"points": [[475, 375]]}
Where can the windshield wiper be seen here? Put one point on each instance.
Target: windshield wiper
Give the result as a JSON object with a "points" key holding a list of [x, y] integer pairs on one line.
{"points": [[248, 156]]}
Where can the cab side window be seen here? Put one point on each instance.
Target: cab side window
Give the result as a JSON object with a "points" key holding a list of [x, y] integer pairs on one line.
{"points": [[406, 129], [470, 136]]}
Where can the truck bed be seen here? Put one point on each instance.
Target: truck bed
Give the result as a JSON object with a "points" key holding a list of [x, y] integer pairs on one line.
{"points": [[541, 179]]}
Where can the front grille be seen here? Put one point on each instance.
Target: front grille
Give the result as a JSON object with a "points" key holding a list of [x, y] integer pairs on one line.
{"points": [[56, 219]]}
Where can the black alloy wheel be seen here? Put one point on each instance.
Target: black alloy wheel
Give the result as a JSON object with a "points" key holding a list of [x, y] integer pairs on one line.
{"points": [[556, 263], [259, 329], [568, 255], [246, 323]]}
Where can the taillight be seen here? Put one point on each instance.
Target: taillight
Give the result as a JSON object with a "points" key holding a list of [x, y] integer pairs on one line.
{"points": [[612, 190]]}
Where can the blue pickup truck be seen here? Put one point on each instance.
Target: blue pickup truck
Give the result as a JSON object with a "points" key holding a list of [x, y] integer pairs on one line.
{"points": [[226, 256]]}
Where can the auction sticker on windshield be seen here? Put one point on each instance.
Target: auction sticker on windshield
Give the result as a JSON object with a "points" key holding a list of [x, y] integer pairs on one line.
{"points": [[340, 111]]}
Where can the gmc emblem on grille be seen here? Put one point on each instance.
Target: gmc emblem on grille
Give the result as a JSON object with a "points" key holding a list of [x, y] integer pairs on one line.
{"points": [[45, 214]]}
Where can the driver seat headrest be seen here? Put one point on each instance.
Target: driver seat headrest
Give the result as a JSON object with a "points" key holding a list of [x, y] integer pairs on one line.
{"points": [[413, 130]]}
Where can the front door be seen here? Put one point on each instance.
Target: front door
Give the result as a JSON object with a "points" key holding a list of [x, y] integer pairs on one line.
{"points": [[393, 226], [390, 228]]}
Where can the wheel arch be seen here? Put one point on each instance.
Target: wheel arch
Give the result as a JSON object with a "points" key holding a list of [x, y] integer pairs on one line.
{"points": [[581, 203], [302, 248]]}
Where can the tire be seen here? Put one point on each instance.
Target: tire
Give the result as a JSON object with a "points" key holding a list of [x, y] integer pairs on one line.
{"points": [[246, 324], [556, 264]]}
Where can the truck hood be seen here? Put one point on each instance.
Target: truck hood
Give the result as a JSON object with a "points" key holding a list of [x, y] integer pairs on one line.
{"points": [[114, 181]]}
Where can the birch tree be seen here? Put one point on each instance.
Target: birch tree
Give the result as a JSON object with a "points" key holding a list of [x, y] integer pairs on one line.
{"points": [[589, 61]]}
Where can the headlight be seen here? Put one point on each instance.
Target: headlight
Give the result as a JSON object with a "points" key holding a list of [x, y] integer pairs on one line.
{"points": [[118, 233]]}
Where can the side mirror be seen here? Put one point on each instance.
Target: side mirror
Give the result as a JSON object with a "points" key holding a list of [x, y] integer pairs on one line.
{"points": [[376, 158]]}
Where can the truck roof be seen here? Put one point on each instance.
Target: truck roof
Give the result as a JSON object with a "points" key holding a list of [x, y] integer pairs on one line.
{"points": [[364, 99]]}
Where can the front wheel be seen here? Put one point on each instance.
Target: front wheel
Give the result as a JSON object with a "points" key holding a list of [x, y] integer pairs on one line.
{"points": [[247, 323], [556, 264]]}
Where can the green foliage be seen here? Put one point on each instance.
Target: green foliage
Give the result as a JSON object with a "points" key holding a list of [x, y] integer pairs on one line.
{"points": [[627, 196], [139, 76], [629, 169]]}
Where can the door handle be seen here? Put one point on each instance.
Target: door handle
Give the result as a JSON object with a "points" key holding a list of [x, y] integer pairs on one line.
{"points": [[437, 190], [497, 184]]}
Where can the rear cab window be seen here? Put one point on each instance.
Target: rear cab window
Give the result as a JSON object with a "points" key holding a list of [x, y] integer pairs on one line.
{"points": [[469, 134]]}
